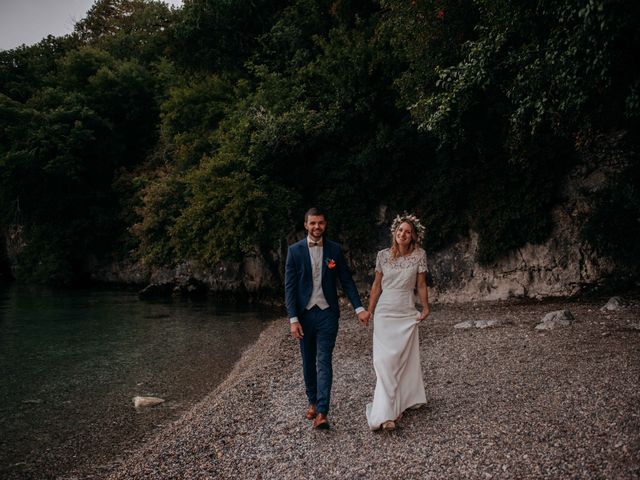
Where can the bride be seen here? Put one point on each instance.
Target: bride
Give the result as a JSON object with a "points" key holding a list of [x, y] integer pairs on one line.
{"points": [[400, 270]]}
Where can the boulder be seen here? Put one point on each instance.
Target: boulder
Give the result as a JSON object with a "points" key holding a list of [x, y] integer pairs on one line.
{"points": [[614, 303], [557, 319]]}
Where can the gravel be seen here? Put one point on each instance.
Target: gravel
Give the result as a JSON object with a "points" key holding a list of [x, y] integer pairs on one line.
{"points": [[508, 402]]}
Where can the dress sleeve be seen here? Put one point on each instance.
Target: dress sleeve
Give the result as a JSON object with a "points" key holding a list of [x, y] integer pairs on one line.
{"points": [[379, 262], [422, 262]]}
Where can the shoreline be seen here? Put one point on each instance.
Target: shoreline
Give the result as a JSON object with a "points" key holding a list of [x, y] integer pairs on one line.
{"points": [[503, 402]]}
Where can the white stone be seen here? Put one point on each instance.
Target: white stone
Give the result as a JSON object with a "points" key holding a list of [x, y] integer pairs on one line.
{"points": [[486, 323], [140, 402], [614, 303], [462, 325]]}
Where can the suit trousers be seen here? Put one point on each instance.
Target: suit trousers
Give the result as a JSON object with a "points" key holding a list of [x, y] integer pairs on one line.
{"points": [[320, 328]]}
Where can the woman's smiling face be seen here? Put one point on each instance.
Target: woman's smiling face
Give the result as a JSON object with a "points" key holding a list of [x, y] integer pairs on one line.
{"points": [[404, 234]]}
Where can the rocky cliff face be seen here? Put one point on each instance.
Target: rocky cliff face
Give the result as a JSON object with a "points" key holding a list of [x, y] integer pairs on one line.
{"points": [[564, 265], [253, 276]]}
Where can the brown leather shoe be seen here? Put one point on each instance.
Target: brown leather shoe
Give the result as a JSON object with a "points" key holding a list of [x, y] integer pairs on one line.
{"points": [[311, 412], [321, 422]]}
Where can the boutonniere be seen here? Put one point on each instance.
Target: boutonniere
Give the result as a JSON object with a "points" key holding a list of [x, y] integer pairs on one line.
{"points": [[331, 263]]}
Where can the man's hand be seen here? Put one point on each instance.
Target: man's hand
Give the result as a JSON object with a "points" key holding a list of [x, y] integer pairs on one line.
{"points": [[364, 317], [296, 330]]}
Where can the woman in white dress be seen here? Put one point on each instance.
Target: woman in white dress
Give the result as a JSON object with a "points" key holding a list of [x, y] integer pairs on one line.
{"points": [[400, 271]]}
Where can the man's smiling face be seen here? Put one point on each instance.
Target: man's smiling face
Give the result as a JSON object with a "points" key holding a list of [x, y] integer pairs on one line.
{"points": [[315, 225]]}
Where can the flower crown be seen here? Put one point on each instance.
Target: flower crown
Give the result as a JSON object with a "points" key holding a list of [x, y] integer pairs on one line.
{"points": [[413, 220]]}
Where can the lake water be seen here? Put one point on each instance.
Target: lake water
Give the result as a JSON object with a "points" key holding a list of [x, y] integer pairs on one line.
{"points": [[71, 362]]}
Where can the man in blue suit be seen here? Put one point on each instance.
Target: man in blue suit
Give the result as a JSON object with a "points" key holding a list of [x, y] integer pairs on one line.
{"points": [[313, 267]]}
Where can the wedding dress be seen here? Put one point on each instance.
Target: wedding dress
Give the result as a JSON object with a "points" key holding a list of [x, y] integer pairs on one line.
{"points": [[396, 353]]}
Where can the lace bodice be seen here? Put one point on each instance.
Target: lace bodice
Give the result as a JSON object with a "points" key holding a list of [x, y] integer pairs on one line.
{"points": [[400, 273], [416, 258]]}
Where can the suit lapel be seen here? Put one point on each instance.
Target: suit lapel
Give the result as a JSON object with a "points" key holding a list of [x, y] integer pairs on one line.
{"points": [[306, 256], [325, 254]]}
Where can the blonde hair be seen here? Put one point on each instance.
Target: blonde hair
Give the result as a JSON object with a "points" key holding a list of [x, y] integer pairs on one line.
{"points": [[395, 248]]}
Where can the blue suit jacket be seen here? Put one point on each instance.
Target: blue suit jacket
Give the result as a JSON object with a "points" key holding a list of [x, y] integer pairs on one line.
{"points": [[298, 281]]}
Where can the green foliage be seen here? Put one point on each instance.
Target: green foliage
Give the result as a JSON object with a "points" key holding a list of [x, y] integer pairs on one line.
{"points": [[48, 257], [550, 61], [230, 215], [26, 69], [161, 200], [219, 35], [190, 116], [124, 94], [84, 115], [504, 86], [128, 29], [54, 177], [205, 133]]}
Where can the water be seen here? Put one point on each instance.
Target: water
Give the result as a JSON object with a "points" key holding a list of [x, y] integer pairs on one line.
{"points": [[71, 362]]}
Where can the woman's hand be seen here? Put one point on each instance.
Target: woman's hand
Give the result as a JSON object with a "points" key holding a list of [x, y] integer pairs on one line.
{"points": [[424, 314]]}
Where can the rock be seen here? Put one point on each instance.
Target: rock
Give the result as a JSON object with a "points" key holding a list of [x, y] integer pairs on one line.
{"points": [[190, 287], [477, 324], [614, 303], [635, 326], [140, 402], [257, 275], [464, 325], [486, 323], [557, 319]]}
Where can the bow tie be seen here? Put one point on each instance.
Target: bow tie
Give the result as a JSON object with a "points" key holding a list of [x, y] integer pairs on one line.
{"points": [[315, 244]]}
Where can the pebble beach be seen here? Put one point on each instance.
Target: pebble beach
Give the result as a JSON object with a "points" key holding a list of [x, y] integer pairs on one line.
{"points": [[504, 400]]}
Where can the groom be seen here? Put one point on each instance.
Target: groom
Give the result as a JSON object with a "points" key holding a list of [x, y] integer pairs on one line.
{"points": [[312, 268]]}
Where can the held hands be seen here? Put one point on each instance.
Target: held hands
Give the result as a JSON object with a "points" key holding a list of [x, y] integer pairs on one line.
{"points": [[364, 317], [297, 333], [422, 315]]}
